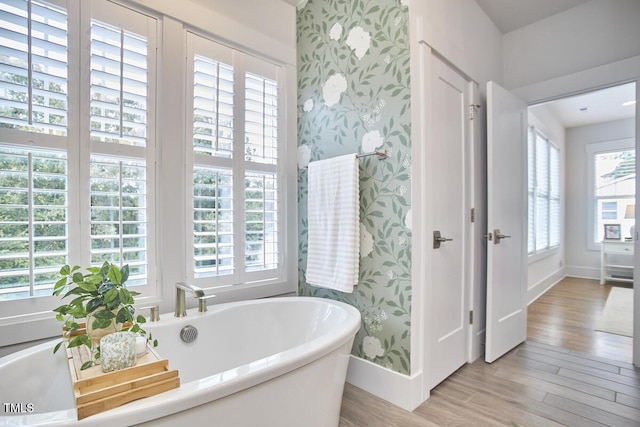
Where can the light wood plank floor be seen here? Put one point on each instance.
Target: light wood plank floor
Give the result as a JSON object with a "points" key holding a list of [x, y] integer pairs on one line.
{"points": [[565, 374]]}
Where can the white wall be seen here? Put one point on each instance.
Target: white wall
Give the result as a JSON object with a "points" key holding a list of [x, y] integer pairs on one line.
{"points": [[593, 34], [266, 27], [581, 262], [547, 269]]}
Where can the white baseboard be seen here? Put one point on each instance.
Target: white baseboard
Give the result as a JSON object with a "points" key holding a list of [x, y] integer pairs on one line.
{"points": [[402, 390], [582, 272], [534, 292]]}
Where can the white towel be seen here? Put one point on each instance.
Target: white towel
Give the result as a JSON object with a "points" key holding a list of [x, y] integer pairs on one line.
{"points": [[334, 223]]}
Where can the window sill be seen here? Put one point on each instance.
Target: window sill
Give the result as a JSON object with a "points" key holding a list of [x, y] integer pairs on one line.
{"points": [[42, 325], [539, 256], [29, 328]]}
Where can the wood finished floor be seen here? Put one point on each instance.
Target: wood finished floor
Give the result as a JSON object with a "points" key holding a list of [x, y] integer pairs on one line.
{"points": [[566, 374]]}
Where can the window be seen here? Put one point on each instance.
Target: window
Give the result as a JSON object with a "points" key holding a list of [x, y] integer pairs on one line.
{"points": [[234, 159], [612, 181], [543, 193], [75, 186], [121, 128], [34, 187], [81, 176]]}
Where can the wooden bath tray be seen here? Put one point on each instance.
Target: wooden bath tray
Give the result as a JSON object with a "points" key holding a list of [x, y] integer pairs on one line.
{"points": [[96, 391]]}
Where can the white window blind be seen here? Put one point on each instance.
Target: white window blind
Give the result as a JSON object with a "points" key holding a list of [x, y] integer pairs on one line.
{"points": [[212, 107], [33, 221], [119, 214], [531, 184], [122, 84], [213, 222], [554, 196], [261, 119], [544, 193], [118, 85], [235, 163], [261, 221], [33, 66]]}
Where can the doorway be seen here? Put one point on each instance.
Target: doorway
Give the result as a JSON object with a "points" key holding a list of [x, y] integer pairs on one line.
{"points": [[599, 118]]}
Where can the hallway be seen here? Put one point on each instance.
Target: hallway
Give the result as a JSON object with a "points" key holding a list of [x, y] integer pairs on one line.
{"points": [[565, 374]]}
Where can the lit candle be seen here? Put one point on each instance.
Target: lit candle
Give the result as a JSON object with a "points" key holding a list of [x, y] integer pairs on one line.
{"points": [[141, 345]]}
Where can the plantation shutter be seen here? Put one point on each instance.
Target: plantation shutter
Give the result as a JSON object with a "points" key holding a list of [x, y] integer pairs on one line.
{"points": [[554, 196], [34, 184], [531, 184], [234, 159], [212, 108], [33, 221], [542, 193], [118, 85], [119, 214], [261, 156], [122, 85], [213, 222], [33, 67]]}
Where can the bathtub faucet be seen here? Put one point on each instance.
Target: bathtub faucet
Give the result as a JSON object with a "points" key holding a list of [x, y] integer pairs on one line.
{"points": [[181, 288]]}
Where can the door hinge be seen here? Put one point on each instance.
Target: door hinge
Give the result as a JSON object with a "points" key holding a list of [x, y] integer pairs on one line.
{"points": [[473, 214], [471, 317], [472, 111]]}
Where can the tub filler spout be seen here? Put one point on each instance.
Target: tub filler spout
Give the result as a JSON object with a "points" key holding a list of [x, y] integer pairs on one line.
{"points": [[181, 288]]}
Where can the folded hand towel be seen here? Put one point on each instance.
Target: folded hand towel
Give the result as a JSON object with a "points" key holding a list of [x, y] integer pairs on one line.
{"points": [[334, 223]]}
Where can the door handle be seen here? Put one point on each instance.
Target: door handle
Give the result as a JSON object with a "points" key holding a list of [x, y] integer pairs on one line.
{"points": [[438, 239], [498, 236]]}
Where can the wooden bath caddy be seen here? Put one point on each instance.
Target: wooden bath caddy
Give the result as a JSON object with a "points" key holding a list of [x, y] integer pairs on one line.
{"points": [[96, 391]]}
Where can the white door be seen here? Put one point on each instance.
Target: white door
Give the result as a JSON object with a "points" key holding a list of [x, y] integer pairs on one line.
{"points": [[506, 222], [448, 163]]}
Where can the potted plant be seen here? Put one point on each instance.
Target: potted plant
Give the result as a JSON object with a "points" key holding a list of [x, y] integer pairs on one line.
{"points": [[100, 297]]}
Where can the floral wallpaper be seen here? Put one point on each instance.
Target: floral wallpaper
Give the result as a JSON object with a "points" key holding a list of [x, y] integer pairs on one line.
{"points": [[354, 96]]}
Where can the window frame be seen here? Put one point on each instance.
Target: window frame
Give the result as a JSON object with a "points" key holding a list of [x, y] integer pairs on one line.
{"points": [[134, 20], [169, 169], [241, 281], [591, 151], [32, 318]]}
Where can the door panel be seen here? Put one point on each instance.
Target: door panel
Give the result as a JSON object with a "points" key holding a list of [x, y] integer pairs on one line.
{"points": [[506, 217], [448, 163]]}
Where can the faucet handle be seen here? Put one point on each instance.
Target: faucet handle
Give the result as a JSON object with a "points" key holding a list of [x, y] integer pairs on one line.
{"points": [[202, 303], [155, 312]]}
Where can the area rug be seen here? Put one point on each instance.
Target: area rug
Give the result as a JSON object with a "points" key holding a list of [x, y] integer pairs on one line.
{"points": [[617, 316]]}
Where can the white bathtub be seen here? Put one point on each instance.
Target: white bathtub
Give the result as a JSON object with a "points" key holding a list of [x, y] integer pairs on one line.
{"points": [[275, 362]]}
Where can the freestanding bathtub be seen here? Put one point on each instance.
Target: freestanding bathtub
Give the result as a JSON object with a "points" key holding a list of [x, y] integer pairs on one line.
{"points": [[274, 362]]}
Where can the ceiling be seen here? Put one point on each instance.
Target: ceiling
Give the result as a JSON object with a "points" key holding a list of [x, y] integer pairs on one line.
{"points": [[509, 15], [593, 107]]}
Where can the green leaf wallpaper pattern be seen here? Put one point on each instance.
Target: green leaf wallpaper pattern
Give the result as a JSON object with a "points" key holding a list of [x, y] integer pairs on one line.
{"points": [[354, 96]]}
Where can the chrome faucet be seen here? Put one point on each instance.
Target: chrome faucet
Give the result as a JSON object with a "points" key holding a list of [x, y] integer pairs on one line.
{"points": [[181, 288]]}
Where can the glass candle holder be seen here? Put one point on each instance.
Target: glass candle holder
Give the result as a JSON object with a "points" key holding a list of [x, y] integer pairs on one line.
{"points": [[118, 351]]}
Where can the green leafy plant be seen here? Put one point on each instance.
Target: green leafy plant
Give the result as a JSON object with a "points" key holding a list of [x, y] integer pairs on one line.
{"points": [[99, 296]]}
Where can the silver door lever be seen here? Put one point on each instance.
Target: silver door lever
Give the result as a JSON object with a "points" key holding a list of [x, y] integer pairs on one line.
{"points": [[438, 239], [498, 236]]}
